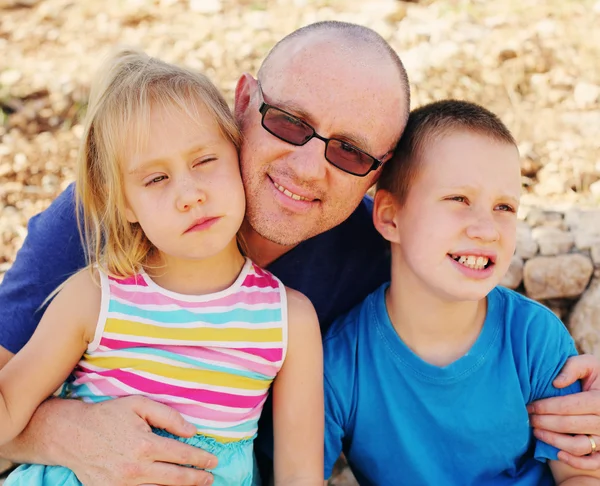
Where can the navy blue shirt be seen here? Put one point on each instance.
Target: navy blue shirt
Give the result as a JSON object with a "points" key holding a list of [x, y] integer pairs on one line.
{"points": [[336, 270]]}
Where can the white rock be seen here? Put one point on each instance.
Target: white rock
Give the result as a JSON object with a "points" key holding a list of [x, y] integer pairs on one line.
{"points": [[526, 246], [586, 94], [584, 219], [587, 238], [595, 254], [557, 277], [205, 6], [552, 240], [514, 276], [10, 77], [584, 323]]}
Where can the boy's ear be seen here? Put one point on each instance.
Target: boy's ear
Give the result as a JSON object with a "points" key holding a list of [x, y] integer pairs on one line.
{"points": [[385, 215], [243, 94]]}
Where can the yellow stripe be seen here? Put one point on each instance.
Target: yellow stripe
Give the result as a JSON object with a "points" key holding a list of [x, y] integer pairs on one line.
{"points": [[220, 438], [190, 375], [120, 326]]}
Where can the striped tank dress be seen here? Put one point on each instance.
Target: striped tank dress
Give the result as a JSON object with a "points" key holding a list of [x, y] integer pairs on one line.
{"points": [[210, 357]]}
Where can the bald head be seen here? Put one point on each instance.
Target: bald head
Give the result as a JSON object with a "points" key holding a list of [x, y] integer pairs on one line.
{"points": [[358, 44]]}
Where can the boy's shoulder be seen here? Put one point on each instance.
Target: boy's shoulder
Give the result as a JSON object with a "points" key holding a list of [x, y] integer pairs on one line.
{"points": [[518, 307], [527, 321], [351, 324], [353, 331]]}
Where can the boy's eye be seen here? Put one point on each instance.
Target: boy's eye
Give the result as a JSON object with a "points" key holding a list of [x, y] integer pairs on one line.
{"points": [[506, 207]]}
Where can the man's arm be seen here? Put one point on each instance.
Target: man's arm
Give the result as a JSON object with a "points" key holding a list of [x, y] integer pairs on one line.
{"points": [[106, 443], [564, 422]]}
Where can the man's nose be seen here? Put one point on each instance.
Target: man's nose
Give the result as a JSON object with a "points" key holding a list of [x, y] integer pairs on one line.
{"points": [[309, 160]]}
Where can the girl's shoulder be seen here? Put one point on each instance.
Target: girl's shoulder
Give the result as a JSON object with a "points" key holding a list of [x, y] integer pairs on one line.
{"points": [[79, 299]]}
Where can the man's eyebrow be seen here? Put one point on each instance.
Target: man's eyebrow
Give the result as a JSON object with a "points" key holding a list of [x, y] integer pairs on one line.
{"points": [[293, 108]]}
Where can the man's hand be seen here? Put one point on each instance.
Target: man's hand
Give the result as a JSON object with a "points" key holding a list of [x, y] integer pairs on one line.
{"points": [[112, 443], [565, 422]]}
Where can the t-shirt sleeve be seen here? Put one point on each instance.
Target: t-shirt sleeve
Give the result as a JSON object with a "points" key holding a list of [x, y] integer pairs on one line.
{"points": [[51, 253], [334, 426], [554, 346]]}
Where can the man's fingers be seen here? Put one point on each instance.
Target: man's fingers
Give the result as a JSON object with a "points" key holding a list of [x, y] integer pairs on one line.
{"points": [[567, 424], [172, 475], [589, 463], [166, 450], [575, 404], [583, 367], [577, 445], [163, 417]]}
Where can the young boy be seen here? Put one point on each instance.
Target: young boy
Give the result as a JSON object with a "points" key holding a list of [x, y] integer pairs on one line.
{"points": [[427, 381]]}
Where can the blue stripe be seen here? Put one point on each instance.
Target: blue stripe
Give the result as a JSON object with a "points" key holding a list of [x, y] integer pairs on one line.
{"points": [[183, 316], [197, 364], [245, 427]]}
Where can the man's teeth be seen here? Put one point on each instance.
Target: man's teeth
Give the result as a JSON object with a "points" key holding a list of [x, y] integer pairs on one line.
{"points": [[289, 193], [471, 261]]}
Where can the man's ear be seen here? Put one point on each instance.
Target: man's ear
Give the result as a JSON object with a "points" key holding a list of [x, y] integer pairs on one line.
{"points": [[246, 85], [385, 215]]}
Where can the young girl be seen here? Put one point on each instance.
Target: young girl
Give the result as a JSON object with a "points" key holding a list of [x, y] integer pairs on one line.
{"points": [[169, 308], [427, 381]]}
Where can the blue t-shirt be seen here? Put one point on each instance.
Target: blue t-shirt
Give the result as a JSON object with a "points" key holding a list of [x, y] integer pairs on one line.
{"points": [[401, 420]]}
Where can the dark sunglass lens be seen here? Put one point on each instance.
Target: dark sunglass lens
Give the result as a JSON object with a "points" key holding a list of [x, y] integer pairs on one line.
{"points": [[287, 127], [347, 157]]}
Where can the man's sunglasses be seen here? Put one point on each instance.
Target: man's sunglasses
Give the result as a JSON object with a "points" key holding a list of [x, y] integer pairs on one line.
{"points": [[291, 129]]}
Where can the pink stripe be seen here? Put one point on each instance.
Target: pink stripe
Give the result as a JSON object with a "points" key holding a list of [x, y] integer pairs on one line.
{"points": [[256, 281], [118, 344], [152, 387], [205, 413], [196, 410], [133, 280], [155, 298], [272, 355], [213, 354], [202, 352]]}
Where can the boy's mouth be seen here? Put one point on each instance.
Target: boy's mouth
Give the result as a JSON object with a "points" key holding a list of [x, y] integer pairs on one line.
{"points": [[476, 262]]}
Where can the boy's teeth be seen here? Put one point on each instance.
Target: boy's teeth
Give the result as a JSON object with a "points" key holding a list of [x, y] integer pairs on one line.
{"points": [[472, 261]]}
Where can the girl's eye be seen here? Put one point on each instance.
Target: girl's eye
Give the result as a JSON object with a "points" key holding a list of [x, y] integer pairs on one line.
{"points": [[204, 161], [461, 199], [155, 180]]}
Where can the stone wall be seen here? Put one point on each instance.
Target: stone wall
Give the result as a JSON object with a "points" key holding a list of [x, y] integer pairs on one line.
{"points": [[557, 262]]}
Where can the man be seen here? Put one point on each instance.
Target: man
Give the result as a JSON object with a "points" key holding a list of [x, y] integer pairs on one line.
{"points": [[326, 111]]}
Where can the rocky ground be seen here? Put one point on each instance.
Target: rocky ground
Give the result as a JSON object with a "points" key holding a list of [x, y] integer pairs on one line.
{"points": [[533, 62]]}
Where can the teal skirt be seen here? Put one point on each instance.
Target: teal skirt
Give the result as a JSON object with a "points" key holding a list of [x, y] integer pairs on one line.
{"points": [[236, 465]]}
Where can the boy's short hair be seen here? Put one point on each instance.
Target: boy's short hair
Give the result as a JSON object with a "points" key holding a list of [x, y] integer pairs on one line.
{"points": [[428, 124]]}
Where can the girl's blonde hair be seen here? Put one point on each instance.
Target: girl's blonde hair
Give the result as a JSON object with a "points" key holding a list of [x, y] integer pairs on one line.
{"points": [[128, 86]]}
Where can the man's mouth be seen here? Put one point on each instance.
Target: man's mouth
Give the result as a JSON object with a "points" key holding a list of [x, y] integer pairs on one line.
{"points": [[476, 262], [289, 193]]}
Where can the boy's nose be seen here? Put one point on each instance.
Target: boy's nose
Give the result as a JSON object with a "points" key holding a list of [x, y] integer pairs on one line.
{"points": [[483, 229]]}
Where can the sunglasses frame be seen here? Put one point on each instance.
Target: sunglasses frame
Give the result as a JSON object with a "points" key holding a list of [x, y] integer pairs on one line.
{"points": [[264, 108]]}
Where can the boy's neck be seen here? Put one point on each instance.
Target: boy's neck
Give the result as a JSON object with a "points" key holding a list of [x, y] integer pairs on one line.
{"points": [[438, 331], [198, 277]]}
